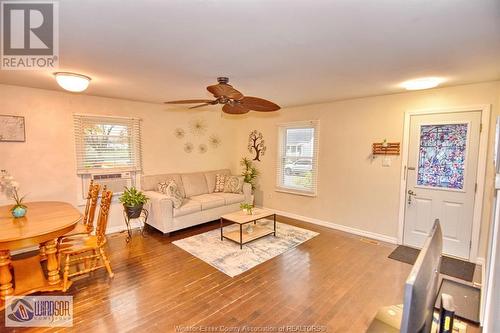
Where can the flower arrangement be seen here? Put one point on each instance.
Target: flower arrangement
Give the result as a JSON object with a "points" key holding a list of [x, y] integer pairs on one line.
{"points": [[250, 172], [247, 208], [10, 187]]}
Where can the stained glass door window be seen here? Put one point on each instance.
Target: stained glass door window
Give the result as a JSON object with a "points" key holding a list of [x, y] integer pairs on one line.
{"points": [[441, 161]]}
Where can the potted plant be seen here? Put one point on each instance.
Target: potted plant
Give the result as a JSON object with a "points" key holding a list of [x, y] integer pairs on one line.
{"points": [[10, 187], [133, 200], [250, 172], [247, 208]]}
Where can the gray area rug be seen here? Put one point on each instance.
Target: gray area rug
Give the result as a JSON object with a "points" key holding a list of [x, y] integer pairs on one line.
{"points": [[227, 256], [449, 266]]}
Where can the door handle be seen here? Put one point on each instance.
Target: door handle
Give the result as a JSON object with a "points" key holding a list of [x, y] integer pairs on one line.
{"points": [[410, 194]]}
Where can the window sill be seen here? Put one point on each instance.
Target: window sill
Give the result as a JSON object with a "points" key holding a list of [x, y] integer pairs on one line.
{"points": [[296, 192]]}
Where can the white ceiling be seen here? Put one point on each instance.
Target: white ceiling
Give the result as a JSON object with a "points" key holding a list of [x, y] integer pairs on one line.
{"points": [[291, 52]]}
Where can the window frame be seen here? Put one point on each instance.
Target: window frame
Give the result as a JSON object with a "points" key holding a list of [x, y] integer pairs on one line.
{"points": [[282, 154], [134, 127]]}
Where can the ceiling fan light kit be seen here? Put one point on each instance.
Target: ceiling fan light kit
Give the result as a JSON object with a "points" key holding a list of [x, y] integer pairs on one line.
{"points": [[233, 101]]}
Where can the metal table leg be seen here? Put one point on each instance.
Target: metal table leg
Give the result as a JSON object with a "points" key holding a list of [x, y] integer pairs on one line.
{"points": [[221, 237], [274, 225]]}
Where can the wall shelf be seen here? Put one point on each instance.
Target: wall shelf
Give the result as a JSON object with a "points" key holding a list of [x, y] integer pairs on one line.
{"points": [[391, 148]]}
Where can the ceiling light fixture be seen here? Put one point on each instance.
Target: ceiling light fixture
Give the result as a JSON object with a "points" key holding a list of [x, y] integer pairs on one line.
{"points": [[422, 83], [72, 82]]}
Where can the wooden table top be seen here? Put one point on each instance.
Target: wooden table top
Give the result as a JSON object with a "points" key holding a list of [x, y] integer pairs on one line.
{"points": [[241, 217], [44, 220]]}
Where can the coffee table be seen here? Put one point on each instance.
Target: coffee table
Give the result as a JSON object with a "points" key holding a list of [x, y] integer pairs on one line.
{"points": [[243, 218]]}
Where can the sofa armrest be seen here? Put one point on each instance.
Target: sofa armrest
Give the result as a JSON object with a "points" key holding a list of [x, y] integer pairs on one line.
{"points": [[247, 191], [161, 209]]}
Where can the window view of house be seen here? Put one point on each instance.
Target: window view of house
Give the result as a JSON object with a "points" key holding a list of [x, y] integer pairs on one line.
{"points": [[297, 169]]}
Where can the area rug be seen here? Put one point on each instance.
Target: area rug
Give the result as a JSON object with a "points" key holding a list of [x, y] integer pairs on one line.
{"points": [[227, 256], [466, 299], [449, 266]]}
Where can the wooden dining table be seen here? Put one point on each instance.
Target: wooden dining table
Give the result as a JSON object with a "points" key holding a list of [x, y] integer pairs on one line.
{"points": [[43, 223]]}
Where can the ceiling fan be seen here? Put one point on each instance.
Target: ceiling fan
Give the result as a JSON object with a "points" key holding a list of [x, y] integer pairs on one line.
{"points": [[234, 102]]}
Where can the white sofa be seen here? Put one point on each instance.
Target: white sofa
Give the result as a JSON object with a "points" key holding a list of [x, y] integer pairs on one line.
{"points": [[200, 205]]}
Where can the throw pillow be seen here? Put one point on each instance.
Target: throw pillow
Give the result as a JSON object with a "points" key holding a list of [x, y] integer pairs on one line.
{"points": [[220, 181], [233, 184], [171, 190]]}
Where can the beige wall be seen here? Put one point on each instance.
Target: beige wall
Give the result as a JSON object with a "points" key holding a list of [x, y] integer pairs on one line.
{"points": [[355, 191], [45, 164]]}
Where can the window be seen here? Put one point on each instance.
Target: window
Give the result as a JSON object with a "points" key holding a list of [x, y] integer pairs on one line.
{"points": [[442, 152], [297, 170], [107, 143]]}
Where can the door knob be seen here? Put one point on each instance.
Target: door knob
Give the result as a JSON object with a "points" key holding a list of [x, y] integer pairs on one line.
{"points": [[410, 194]]}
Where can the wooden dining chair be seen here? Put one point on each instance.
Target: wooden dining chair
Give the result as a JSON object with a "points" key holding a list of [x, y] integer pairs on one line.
{"points": [[87, 249], [87, 223]]}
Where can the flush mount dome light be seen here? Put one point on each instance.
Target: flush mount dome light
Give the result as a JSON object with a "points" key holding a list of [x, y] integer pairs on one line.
{"points": [[72, 81], [422, 83]]}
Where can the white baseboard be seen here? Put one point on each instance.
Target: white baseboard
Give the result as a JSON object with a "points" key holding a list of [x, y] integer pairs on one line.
{"points": [[359, 232]]}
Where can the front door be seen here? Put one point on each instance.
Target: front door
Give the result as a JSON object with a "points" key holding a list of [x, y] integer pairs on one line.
{"points": [[441, 170]]}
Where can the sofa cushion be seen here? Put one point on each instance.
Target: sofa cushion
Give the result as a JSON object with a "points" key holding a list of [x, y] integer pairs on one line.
{"points": [[150, 183], [171, 190], [187, 207], [231, 198], [220, 181], [233, 184], [194, 184], [208, 201], [210, 177]]}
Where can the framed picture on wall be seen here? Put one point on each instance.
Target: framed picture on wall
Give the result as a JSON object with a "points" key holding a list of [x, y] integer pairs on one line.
{"points": [[12, 129]]}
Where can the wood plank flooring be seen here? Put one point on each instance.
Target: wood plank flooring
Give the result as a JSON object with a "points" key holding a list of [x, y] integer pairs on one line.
{"points": [[335, 281]]}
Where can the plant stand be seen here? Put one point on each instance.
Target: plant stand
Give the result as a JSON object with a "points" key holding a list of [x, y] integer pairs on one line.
{"points": [[143, 218]]}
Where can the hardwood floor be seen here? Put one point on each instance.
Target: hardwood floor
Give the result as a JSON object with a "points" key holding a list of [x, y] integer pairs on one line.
{"points": [[335, 280]]}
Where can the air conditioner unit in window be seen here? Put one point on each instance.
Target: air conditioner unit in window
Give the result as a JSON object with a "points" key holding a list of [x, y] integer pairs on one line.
{"points": [[114, 181]]}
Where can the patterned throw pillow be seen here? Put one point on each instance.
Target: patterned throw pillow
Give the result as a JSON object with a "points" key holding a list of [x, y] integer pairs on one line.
{"points": [[220, 181], [171, 190], [233, 184]]}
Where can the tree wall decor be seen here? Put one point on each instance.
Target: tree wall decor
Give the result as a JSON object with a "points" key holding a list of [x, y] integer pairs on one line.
{"points": [[256, 144]]}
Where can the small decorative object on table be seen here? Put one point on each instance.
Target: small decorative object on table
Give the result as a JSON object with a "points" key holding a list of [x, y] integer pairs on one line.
{"points": [[133, 202], [247, 208], [9, 186]]}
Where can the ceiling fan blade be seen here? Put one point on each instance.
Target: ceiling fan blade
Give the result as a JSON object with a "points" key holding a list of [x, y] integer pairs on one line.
{"points": [[258, 104], [234, 109], [189, 101], [223, 89], [201, 105]]}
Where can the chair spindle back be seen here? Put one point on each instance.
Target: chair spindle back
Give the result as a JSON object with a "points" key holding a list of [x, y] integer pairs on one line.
{"points": [[91, 205], [102, 219]]}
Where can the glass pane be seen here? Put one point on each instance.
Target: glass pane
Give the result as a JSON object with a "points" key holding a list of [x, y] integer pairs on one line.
{"points": [[297, 164], [107, 146], [441, 161]]}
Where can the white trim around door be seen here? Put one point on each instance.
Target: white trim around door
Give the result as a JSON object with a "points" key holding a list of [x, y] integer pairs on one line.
{"points": [[481, 169]]}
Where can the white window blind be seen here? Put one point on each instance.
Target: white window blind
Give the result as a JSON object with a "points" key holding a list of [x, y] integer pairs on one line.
{"points": [[107, 143], [297, 167]]}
